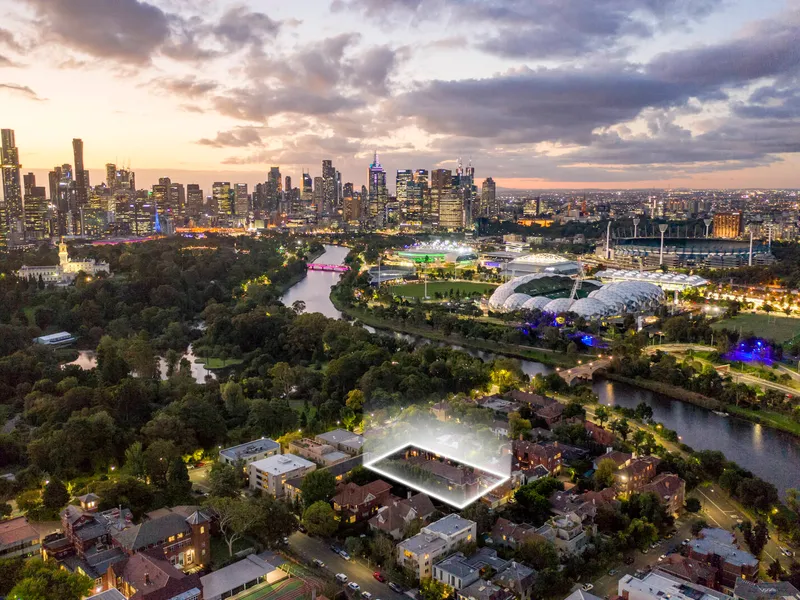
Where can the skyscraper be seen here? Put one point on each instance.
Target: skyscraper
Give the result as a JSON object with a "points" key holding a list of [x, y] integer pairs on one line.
{"points": [[36, 225], [194, 201], [274, 189], [221, 193], [177, 202], [329, 187], [441, 189], [81, 183], [489, 206], [404, 179], [319, 195], [242, 203], [28, 183], [12, 205], [111, 175], [378, 194], [307, 192]]}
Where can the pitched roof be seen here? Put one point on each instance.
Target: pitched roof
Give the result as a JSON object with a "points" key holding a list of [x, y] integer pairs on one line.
{"points": [[506, 530], [235, 575], [151, 532], [154, 578], [352, 494], [664, 485], [763, 590], [16, 530]]}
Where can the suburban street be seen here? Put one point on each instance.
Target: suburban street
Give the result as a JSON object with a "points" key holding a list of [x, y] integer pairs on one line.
{"points": [[311, 548]]}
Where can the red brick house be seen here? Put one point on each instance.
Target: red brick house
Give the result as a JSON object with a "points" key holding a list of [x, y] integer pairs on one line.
{"points": [[671, 489], [530, 454], [354, 502], [506, 533], [599, 434], [149, 576], [638, 473]]}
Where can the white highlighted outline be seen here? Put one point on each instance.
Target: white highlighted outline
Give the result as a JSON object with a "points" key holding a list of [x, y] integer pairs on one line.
{"points": [[370, 464]]}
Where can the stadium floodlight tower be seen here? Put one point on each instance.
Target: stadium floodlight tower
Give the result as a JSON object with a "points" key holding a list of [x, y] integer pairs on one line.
{"points": [[750, 253], [636, 222], [662, 228], [708, 223], [608, 242]]}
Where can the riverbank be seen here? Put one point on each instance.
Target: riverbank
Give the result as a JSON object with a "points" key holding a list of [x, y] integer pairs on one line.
{"points": [[282, 289], [767, 418], [546, 357]]}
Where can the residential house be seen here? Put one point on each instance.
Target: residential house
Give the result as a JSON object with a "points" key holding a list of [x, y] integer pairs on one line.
{"points": [[501, 407], [671, 489], [441, 411], [717, 548], [270, 474], [583, 505], [511, 535], [568, 533], [246, 574], [457, 479], [530, 454], [19, 538], [689, 570], [579, 594], [418, 552], [395, 515], [149, 576], [245, 454], [517, 578], [657, 585], [551, 414], [484, 590], [293, 487], [500, 428], [342, 440], [354, 502], [112, 594], [599, 434], [638, 473], [89, 502], [621, 459], [773, 590], [323, 454], [458, 571], [534, 401]]}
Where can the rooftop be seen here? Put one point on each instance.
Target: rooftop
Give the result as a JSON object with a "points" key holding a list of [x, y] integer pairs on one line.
{"points": [[242, 451], [721, 543], [749, 590], [235, 575], [449, 525], [662, 585], [16, 530], [423, 543], [282, 463], [341, 436]]}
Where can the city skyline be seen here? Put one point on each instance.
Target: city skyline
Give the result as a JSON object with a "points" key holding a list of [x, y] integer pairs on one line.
{"points": [[612, 95]]}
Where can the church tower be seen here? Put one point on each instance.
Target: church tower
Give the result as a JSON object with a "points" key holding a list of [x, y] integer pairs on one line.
{"points": [[63, 255]]}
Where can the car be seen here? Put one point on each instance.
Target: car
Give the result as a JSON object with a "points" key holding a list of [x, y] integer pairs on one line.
{"points": [[612, 572], [366, 595], [654, 545], [786, 552], [645, 551], [588, 587], [285, 541], [395, 588], [354, 586], [344, 555], [686, 541], [377, 575], [341, 578], [335, 548], [318, 563], [662, 557]]}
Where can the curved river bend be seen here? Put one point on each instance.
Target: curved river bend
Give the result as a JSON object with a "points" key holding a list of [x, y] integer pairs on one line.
{"points": [[772, 455]]}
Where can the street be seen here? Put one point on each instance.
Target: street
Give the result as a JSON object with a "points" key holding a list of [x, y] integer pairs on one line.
{"points": [[311, 548]]}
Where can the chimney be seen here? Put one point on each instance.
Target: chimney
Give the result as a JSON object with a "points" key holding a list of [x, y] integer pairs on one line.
{"points": [[409, 494], [147, 578]]}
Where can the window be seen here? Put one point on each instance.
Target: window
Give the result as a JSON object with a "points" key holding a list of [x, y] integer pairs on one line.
{"points": [[202, 529], [171, 538]]}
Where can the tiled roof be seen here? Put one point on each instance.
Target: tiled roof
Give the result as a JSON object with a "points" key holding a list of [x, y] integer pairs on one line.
{"points": [[152, 532], [16, 530], [154, 578], [352, 494]]}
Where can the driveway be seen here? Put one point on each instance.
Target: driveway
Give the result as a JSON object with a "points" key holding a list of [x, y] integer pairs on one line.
{"points": [[311, 548]]}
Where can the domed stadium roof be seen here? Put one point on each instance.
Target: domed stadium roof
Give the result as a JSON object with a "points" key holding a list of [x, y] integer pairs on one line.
{"points": [[515, 301], [537, 303], [591, 308], [559, 305], [503, 292]]}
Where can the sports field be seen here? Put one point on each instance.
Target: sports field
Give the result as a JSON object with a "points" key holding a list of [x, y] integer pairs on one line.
{"points": [[417, 290], [779, 329]]}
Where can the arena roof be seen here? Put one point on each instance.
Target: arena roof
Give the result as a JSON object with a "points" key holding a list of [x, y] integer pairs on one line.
{"points": [[698, 245], [671, 281]]}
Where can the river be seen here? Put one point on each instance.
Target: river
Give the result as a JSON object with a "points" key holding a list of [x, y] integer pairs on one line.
{"points": [[770, 454], [88, 360]]}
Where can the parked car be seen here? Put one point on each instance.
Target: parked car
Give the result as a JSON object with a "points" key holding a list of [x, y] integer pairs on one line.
{"points": [[354, 586], [344, 555], [335, 548], [341, 578], [612, 572], [366, 595], [786, 552], [377, 575], [588, 587], [395, 588], [319, 563], [662, 557]]}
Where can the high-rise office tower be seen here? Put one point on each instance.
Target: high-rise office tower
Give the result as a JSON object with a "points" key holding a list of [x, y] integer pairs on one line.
{"points": [[329, 187], [378, 194], [404, 178], [81, 185], [194, 201], [287, 183], [489, 205], [319, 195], [36, 222], [351, 207], [221, 193], [111, 175], [441, 188], [422, 193], [727, 225], [242, 203], [12, 189], [274, 189], [177, 202], [28, 183], [307, 192], [160, 195]]}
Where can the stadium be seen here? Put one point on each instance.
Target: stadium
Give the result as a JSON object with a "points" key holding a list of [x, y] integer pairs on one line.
{"points": [[666, 281], [687, 252], [613, 299], [434, 252]]}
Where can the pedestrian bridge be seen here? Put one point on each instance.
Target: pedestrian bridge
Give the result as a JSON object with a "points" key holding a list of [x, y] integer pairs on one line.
{"points": [[584, 372], [324, 267]]}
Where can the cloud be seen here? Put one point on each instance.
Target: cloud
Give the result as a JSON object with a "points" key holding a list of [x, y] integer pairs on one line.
{"points": [[189, 86], [7, 40], [7, 62], [23, 90], [239, 27], [237, 138]]}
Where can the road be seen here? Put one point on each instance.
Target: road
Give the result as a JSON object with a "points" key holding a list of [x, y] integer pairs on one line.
{"points": [[311, 548], [199, 478], [763, 383]]}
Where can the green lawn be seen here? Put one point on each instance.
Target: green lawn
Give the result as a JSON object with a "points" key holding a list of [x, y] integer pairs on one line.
{"points": [[767, 417], [779, 329], [217, 363], [416, 290], [272, 592]]}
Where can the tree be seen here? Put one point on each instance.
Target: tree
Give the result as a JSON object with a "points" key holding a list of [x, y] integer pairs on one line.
{"points": [[775, 570], [622, 427], [318, 486], [235, 517], [48, 581], [126, 491], [157, 458], [381, 548], [134, 460], [171, 359], [602, 414], [643, 412], [693, 505], [756, 537], [479, 512], [55, 496], [518, 427], [179, 485], [604, 475], [319, 519], [698, 526], [10, 573], [538, 553], [433, 589], [355, 400], [273, 521], [224, 480]]}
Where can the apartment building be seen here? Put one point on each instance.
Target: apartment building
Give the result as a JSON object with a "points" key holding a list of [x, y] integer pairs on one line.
{"points": [[250, 452], [270, 474], [420, 551]]}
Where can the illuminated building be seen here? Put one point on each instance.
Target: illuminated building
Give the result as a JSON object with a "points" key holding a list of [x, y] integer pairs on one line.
{"points": [[242, 203], [221, 192], [111, 175], [444, 202], [329, 187], [274, 189], [319, 195], [93, 222], [378, 194], [489, 205], [307, 193], [441, 183], [12, 205], [176, 205], [727, 225], [160, 193], [66, 270], [404, 180], [194, 201], [36, 222], [81, 176], [351, 203]]}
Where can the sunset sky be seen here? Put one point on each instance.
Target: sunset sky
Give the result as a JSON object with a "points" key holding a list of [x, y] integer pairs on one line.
{"points": [[539, 93]]}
